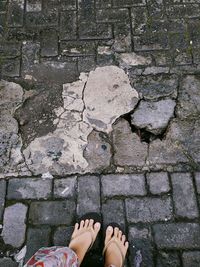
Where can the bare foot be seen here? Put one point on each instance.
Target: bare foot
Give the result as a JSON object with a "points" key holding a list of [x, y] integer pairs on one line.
{"points": [[83, 237], [116, 250]]}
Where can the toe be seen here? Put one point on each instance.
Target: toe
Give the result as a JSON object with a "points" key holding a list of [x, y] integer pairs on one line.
{"points": [[97, 227], [91, 222], [76, 227], [109, 233], [123, 239], [120, 234], [126, 245], [81, 224], [86, 223], [116, 231]]}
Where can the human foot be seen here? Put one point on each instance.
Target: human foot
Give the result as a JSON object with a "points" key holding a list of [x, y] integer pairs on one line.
{"points": [[115, 248], [83, 237]]}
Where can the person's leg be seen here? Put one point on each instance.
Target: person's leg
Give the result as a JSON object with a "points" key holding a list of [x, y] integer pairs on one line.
{"points": [[83, 236], [116, 247]]}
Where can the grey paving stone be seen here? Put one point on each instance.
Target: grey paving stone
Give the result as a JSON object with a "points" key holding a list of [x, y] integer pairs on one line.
{"points": [[123, 185], [2, 196], [177, 235], [29, 188], [168, 259], [141, 247], [65, 188], [49, 43], [113, 211], [37, 238], [52, 212], [68, 25], [184, 196], [88, 195], [14, 226], [16, 13], [7, 262], [158, 182], [197, 180], [148, 209], [129, 150], [34, 5], [11, 67], [62, 235], [191, 259]]}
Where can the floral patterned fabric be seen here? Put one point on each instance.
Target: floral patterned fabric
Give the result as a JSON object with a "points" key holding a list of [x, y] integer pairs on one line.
{"points": [[53, 257]]}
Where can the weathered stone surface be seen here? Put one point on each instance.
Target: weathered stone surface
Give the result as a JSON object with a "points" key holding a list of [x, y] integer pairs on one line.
{"points": [[191, 258], [7, 262], [128, 149], [153, 116], [148, 209], [185, 201], [88, 195], [2, 196], [115, 97], [62, 236], [197, 180], [37, 238], [29, 188], [44, 212], [132, 59], [180, 145], [177, 235], [158, 182], [123, 184], [65, 188], [86, 107], [98, 151], [113, 211], [189, 97], [153, 87], [14, 226], [141, 246], [167, 259], [33, 6]]}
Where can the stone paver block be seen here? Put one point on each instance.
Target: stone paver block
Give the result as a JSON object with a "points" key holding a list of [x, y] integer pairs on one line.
{"points": [[177, 235], [158, 182], [37, 238], [191, 259], [7, 262], [49, 43], [197, 180], [29, 188], [88, 195], [148, 209], [141, 246], [123, 185], [2, 196], [65, 188], [113, 211], [44, 212], [129, 150], [62, 236], [184, 196], [14, 226], [167, 259]]}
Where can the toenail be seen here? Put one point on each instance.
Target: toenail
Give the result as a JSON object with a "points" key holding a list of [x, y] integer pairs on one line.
{"points": [[109, 228]]}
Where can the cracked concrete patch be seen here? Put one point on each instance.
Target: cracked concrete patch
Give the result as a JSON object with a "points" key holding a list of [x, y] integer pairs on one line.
{"points": [[91, 103]]}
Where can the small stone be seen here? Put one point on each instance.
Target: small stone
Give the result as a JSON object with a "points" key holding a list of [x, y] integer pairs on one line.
{"points": [[113, 211], [29, 188], [44, 212], [191, 258], [65, 188], [88, 195], [184, 196], [128, 149], [123, 185], [14, 226], [153, 116], [62, 235], [37, 238], [158, 182], [148, 209], [177, 235]]}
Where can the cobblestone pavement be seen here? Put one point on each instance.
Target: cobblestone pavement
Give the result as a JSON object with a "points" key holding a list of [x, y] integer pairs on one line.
{"points": [[100, 111]]}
